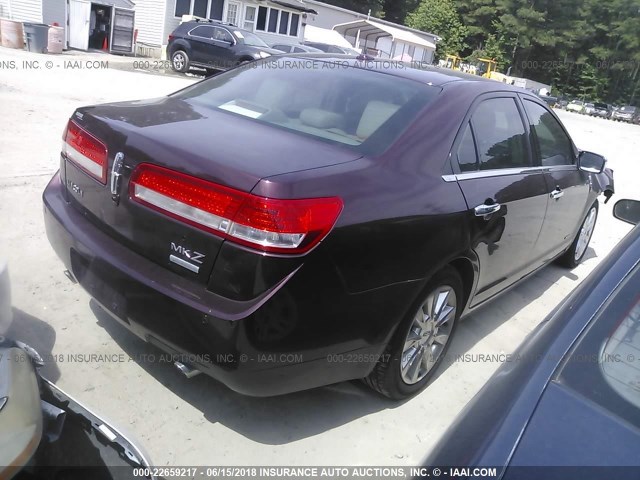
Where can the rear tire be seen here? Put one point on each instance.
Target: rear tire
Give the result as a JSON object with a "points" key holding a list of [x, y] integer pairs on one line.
{"points": [[180, 61], [402, 370], [572, 257]]}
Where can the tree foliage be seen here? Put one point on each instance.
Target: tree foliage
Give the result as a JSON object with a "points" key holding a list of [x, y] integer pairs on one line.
{"points": [[440, 17], [585, 48]]}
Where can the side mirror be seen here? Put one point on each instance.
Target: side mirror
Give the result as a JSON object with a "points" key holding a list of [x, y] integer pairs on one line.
{"points": [[591, 162], [627, 211]]}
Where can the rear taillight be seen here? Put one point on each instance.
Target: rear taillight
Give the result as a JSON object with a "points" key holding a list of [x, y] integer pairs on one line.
{"points": [[266, 224], [171, 37], [85, 151]]}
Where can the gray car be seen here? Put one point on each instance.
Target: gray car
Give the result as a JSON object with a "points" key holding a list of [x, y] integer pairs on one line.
{"points": [[295, 48], [626, 113]]}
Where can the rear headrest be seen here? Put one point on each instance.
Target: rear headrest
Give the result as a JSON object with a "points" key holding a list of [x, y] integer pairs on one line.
{"points": [[374, 115], [318, 118]]}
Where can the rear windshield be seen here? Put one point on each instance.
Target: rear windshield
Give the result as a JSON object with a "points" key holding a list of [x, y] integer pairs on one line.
{"points": [[603, 106], [354, 107]]}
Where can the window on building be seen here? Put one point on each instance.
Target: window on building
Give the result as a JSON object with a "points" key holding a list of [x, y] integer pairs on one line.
{"points": [[183, 7], [262, 18], [200, 8], [277, 21], [293, 29], [284, 23], [273, 20], [215, 11], [232, 13], [249, 18]]}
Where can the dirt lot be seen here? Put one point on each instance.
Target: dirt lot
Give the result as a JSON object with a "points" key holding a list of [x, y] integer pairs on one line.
{"points": [[197, 421]]}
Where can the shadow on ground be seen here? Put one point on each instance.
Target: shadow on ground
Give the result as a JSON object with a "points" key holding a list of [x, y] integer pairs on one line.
{"points": [[274, 420], [288, 418], [486, 319], [39, 335]]}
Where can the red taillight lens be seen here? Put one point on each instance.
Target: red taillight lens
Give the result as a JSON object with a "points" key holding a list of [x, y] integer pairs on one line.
{"points": [[267, 224], [171, 37], [85, 151]]}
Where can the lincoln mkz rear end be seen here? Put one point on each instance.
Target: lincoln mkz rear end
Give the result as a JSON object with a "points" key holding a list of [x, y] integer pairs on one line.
{"points": [[252, 232]]}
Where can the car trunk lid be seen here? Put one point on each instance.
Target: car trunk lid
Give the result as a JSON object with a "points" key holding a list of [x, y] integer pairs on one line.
{"points": [[213, 146]]}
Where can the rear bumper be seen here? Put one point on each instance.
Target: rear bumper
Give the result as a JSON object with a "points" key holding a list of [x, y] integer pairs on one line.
{"points": [[221, 337]]}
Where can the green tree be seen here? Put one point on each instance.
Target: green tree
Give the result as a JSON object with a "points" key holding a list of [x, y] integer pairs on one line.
{"points": [[440, 17]]}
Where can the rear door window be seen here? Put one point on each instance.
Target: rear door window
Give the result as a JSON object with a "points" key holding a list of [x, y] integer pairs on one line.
{"points": [[202, 31], [499, 134], [466, 153], [553, 144]]}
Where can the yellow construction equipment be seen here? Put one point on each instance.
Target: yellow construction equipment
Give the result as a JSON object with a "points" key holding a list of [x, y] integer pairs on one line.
{"points": [[453, 62], [486, 66]]}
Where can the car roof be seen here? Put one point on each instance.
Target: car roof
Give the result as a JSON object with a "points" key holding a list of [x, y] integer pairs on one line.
{"points": [[215, 23], [423, 73]]}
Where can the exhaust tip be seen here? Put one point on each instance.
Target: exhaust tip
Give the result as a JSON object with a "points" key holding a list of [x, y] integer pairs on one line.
{"points": [[187, 370], [70, 276]]}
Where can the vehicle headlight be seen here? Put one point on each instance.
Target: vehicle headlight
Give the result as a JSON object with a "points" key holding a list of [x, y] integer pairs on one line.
{"points": [[264, 54]]}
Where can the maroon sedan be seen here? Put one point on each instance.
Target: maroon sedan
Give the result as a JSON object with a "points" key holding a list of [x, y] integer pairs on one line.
{"points": [[298, 222]]}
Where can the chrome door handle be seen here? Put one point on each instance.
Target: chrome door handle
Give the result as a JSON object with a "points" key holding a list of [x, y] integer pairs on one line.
{"points": [[484, 209], [556, 194]]}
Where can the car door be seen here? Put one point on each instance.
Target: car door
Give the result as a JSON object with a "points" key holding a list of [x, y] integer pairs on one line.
{"points": [[224, 44], [506, 194], [568, 187], [210, 46], [202, 48], [79, 23]]}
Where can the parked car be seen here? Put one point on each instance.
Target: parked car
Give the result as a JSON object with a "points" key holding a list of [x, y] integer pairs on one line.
{"points": [[588, 108], [213, 45], [548, 99], [569, 386], [328, 48], [282, 228], [45, 433], [625, 113], [601, 110], [295, 48], [575, 106]]}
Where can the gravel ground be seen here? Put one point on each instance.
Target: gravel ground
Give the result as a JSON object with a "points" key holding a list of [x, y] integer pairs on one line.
{"points": [[198, 421]]}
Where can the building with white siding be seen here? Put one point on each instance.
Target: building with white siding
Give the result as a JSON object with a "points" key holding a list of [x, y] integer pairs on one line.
{"points": [[101, 24], [148, 23]]}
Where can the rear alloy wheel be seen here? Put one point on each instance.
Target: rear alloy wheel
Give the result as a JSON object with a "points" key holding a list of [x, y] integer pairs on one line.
{"points": [[180, 61], [421, 341], [575, 254]]}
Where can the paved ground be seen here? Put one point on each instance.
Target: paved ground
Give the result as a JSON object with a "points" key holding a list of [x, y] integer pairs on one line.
{"points": [[198, 421]]}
